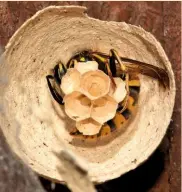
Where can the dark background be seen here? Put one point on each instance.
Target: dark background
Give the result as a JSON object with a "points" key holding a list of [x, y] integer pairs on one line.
{"points": [[162, 172]]}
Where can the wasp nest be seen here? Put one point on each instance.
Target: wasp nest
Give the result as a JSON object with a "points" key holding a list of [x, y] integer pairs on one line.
{"points": [[36, 127], [89, 98]]}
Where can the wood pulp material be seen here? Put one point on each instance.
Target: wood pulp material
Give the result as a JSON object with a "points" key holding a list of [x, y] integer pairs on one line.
{"points": [[32, 119]]}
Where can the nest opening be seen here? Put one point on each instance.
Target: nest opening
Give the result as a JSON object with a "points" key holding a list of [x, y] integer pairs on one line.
{"points": [[38, 119]]}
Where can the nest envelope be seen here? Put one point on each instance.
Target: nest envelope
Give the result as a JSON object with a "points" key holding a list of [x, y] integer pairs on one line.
{"points": [[36, 127]]}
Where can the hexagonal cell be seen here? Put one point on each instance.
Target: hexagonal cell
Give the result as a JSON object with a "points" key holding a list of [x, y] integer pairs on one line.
{"points": [[84, 67], [77, 106], [119, 93], [95, 84], [104, 109], [88, 126], [70, 81]]}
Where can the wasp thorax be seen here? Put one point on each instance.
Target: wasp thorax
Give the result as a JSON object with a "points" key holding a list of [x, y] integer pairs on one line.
{"points": [[90, 99]]}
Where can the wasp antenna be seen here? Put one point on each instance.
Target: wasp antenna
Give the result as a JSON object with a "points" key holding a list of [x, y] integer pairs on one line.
{"points": [[110, 74]]}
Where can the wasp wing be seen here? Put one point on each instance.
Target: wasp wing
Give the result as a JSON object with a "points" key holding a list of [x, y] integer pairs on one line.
{"points": [[134, 66], [138, 67], [148, 70]]}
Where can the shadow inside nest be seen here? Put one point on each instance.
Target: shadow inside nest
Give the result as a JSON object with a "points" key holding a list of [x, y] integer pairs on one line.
{"points": [[142, 179]]}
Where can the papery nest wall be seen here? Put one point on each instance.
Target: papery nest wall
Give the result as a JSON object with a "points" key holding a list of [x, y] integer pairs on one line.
{"points": [[55, 34]]}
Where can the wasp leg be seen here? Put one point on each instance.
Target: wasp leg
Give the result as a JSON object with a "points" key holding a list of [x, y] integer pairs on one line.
{"points": [[122, 66], [104, 55], [115, 55], [53, 91]]}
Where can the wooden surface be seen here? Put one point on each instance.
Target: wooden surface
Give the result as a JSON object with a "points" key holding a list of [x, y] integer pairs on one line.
{"points": [[161, 173]]}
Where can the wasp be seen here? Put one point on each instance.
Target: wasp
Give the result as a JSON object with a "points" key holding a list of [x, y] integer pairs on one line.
{"points": [[114, 66]]}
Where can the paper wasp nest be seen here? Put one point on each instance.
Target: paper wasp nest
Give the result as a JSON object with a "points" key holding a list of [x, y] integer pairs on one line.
{"points": [[36, 127], [89, 97]]}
